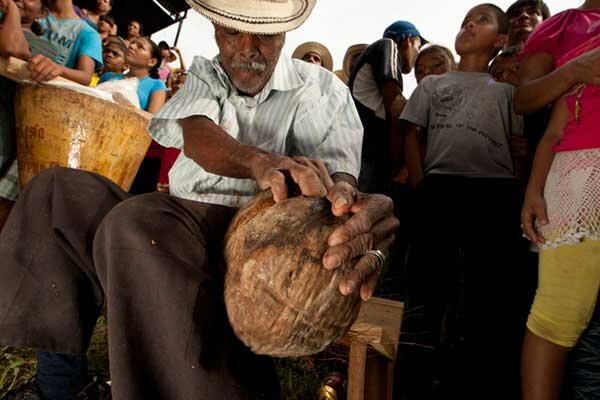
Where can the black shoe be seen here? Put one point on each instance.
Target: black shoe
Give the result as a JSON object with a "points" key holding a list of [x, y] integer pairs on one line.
{"points": [[28, 391]]}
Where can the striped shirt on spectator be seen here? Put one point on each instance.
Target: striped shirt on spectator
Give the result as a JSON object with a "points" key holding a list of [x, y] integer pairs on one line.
{"points": [[303, 110]]}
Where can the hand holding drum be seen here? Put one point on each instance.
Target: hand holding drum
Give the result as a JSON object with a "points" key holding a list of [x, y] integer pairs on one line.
{"points": [[293, 266]]}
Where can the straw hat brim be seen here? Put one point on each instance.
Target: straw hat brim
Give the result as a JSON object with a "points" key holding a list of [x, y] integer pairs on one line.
{"points": [[350, 53], [265, 17], [318, 48]]}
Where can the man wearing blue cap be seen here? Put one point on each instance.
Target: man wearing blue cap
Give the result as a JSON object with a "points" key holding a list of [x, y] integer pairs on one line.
{"points": [[375, 84]]}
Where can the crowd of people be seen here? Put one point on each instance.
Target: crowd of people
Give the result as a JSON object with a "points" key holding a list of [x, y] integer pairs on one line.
{"points": [[492, 164]]}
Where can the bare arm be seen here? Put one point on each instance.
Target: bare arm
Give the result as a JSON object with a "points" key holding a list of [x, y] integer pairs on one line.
{"points": [[534, 207], [220, 154], [181, 62], [541, 84], [412, 153], [12, 39], [157, 100], [43, 69]]}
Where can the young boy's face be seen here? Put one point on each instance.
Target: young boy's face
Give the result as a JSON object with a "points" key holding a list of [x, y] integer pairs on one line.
{"points": [[479, 32], [506, 70], [431, 64], [114, 58]]}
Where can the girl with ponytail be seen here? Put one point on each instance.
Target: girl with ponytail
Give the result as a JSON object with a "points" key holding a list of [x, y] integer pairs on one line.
{"points": [[143, 57]]}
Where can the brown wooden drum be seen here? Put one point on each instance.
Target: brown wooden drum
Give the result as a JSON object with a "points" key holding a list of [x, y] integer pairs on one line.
{"points": [[280, 299], [57, 126]]}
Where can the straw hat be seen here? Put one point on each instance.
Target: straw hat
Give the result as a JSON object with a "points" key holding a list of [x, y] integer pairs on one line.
{"points": [[350, 53], [255, 16], [315, 47]]}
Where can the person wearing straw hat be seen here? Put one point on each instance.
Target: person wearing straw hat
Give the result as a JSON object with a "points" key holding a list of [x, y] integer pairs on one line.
{"points": [[350, 60], [243, 120], [314, 53]]}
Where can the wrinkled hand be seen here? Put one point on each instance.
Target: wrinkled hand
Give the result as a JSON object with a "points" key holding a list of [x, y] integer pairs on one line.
{"points": [[534, 208], [43, 69], [311, 176], [588, 67], [372, 226], [519, 146]]}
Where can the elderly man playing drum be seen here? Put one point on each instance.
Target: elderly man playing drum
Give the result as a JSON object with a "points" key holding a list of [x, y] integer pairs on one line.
{"points": [[75, 241]]}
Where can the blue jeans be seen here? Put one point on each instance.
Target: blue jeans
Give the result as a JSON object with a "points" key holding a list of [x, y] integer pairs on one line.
{"points": [[60, 376]]}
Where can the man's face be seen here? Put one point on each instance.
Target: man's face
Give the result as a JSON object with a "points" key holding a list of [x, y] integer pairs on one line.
{"points": [[103, 6], [248, 59], [313, 58], [523, 21], [133, 29], [479, 31], [114, 58], [409, 50]]}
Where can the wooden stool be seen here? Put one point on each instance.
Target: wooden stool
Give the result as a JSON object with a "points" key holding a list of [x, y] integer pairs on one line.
{"points": [[373, 340]]}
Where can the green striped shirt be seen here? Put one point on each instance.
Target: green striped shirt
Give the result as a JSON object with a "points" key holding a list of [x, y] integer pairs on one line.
{"points": [[303, 110]]}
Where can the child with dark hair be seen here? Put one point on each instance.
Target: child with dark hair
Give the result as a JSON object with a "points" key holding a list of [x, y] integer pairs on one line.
{"points": [[505, 67], [468, 218], [106, 26], [434, 60], [143, 59], [114, 54]]}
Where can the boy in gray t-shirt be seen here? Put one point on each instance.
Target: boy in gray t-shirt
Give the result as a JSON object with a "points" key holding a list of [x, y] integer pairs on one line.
{"points": [[469, 119], [467, 242]]}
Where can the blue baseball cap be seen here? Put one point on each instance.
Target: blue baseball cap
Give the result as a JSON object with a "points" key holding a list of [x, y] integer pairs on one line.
{"points": [[400, 30]]}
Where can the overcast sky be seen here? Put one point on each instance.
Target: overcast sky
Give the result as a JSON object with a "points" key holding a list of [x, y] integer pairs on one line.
{"points": [[339, 24]]}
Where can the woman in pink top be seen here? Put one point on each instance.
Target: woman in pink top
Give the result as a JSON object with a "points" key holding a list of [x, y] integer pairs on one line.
{"points": [[562, 204]]}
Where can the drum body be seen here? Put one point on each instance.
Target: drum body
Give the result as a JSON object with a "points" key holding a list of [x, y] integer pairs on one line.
{"points": [[280, 299], [57, 126]]}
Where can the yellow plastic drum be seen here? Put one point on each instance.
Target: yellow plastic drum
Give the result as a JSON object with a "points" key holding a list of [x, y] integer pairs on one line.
{"points": [[58, 126]]}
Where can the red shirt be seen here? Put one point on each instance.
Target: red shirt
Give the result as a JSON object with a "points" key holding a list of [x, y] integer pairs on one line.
{"points": [[566, 36]]}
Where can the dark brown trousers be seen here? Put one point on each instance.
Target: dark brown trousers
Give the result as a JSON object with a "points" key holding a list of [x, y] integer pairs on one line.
{"points": [[75, 241]]}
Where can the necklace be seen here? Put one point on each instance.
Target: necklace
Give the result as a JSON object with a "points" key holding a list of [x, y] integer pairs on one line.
{"points": [[577, 91]]}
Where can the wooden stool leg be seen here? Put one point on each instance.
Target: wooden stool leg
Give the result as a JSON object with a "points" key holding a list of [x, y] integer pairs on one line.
{"points": [[379, 379], [356, 370]]}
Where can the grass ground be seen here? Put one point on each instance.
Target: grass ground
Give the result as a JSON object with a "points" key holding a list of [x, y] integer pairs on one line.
{"points": [[299, 378]]}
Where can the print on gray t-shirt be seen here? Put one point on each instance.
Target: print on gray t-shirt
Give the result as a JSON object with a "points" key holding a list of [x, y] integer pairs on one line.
{"points": [[469, 120]]}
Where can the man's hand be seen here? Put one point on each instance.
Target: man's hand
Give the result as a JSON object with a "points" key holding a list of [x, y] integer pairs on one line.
{"points": [[371, 227], [269, 171], [534, 208], [42, 69]]}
